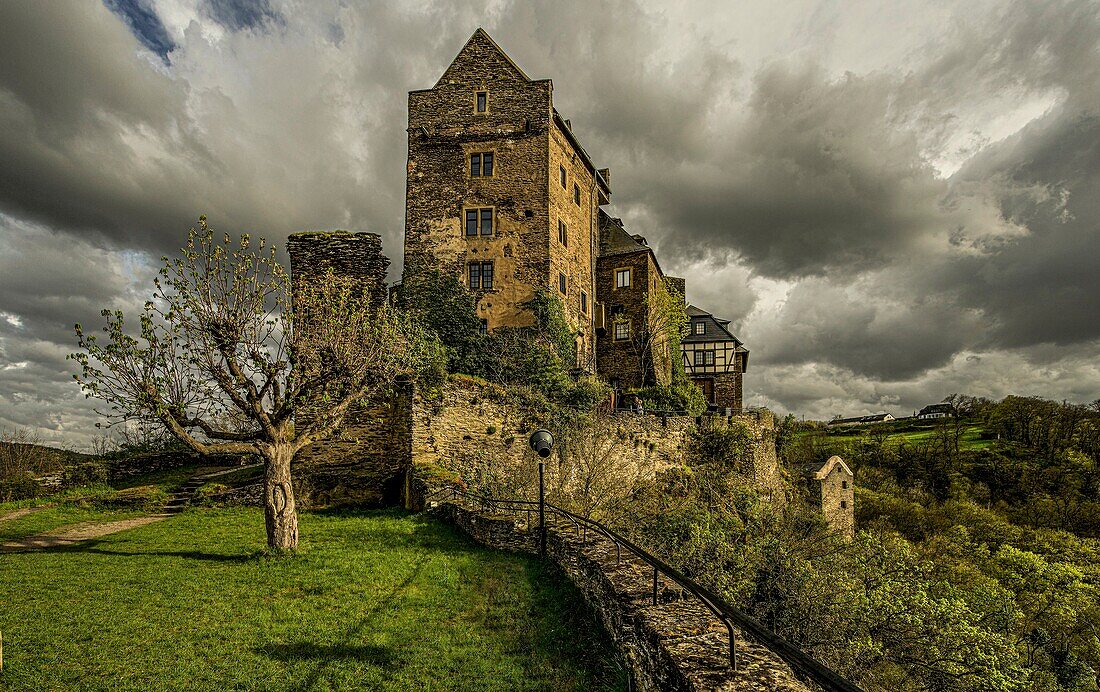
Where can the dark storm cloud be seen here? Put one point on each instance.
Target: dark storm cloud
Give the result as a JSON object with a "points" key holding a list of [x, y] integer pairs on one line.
{"points": [[801, 199]]}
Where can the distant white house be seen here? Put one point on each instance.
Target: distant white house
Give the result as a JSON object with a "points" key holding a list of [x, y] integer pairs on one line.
{"points": [[862, 420], [935, 411]]}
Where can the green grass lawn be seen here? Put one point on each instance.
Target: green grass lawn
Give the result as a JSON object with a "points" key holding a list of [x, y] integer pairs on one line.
{"points": [[377, 601], [903, 432]]}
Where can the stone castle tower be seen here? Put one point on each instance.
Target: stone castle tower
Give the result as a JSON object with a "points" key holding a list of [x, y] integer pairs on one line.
{"points": [[500, 192]]}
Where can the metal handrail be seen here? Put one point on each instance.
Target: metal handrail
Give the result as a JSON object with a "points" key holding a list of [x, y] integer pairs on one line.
{"points": [[827, 678]]}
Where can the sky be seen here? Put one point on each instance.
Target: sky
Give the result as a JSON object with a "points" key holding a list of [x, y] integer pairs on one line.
{"points": [[892, 201]]}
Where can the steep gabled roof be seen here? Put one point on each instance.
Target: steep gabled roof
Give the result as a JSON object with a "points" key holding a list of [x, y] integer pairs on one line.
{"points": [[478, 49], [719, 327], [819, 471]]}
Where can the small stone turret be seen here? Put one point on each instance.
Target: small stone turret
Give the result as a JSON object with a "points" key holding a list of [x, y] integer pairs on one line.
{"points": [[364, 464], [313, 253], [832, 492]]}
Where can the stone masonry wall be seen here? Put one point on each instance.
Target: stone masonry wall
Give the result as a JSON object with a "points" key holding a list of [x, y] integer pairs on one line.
{"points": [[366, 461], [727, 389], [444, 129], [673, 646], [618, 360], [475, 434], [576, 258]]}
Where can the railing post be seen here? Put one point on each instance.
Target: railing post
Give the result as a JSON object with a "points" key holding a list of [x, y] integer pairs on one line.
{"points": [[542, 508]]}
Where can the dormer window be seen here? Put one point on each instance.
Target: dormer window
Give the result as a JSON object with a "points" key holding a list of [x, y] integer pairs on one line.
{"points": [[700, 327], [481, 101]]}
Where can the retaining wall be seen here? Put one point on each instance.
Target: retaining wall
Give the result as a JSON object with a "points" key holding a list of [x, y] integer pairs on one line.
{"points": [[676, 645]]}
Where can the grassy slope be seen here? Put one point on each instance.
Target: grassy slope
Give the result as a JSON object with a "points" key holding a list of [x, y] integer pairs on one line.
{"points": [[910, 433], [380, 601]]}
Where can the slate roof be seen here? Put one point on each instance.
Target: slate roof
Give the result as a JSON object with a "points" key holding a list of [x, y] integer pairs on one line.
{"points": [[614, 240], [875, 418], [936, 408], [716, 328]]}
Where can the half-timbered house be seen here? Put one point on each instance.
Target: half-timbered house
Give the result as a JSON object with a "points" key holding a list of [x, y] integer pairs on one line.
{"points": [[714, 358]]}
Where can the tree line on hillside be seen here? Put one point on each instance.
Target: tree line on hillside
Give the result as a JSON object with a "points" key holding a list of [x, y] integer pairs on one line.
{"points": [[972, 568]]}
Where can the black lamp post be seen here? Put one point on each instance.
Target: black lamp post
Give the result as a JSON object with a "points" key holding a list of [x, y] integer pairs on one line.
{"points": [[542, 442]]}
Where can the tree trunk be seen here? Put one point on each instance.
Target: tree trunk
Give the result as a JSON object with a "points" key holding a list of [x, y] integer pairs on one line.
{"points": [[280, 512]]}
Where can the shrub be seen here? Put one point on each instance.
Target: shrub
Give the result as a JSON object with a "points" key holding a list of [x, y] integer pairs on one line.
{"points": [[19, 487], [87, 473], [207, 494], [145, 497], [720, 443], [680, 398]]}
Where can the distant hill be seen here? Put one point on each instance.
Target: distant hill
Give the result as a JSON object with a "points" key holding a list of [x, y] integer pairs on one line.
{"points": [[43, 456]]}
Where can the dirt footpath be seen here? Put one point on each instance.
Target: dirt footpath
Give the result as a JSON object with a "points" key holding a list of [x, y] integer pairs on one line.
{"points": [[15, 514], [68, 535]]}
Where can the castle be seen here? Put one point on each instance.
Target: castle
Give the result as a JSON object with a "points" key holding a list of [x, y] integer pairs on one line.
{"points": [[500, 193]]}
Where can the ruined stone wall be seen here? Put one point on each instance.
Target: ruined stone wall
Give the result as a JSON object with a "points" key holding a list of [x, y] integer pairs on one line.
{"points": [[674, 645], [762, 464], [365, 462], [478, 434], [357, 255]]}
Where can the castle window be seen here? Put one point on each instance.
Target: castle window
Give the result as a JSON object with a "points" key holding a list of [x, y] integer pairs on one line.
{"points": [[481, 275], [700, 327], [482, 101], [844, 485], [481, 164], [563, 233], [576, 194], [479, 220], [561, 282], [622, 330], [622, 278], [584, 302], [483, 327], [561, 176], [844, 504]]}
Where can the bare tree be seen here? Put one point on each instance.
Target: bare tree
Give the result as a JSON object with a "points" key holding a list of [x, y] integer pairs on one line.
{"points": [[224, 359], [596, 473], [22, 453]]}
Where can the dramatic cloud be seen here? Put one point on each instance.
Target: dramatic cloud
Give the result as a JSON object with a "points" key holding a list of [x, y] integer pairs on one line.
{"points": [[892, 203]]}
